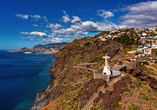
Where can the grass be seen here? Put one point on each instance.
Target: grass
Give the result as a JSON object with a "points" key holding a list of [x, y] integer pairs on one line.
{"points": [[117, 105], [133, 107], [129, 94], [145, 72], [99, 59], [144, 96], [152, 71]]}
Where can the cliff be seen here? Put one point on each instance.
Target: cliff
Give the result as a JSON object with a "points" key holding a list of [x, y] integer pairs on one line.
{"points": [[84, 50], [74, 86]]}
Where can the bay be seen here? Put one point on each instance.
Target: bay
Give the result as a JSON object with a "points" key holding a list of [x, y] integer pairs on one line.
{"points": [[22, 76]]}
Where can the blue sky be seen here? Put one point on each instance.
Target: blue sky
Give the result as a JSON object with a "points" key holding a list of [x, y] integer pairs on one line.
{"points": [[25, 23]]}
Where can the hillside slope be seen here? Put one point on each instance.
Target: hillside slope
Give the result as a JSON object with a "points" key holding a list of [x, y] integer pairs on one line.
{"points": [[82, 50]]}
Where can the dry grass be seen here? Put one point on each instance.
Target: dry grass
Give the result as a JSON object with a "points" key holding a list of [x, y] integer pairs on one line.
{"points": [[143, 97]]}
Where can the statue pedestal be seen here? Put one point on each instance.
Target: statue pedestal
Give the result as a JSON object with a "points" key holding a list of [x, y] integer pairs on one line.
{"points": [[107, 70], [108, 79]]}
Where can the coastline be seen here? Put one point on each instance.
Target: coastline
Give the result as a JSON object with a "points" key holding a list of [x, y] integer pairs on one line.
{"points": [[41, 99]]}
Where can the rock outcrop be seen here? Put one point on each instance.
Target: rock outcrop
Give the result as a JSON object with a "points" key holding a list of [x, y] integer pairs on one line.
{"points": [[139, 73]]}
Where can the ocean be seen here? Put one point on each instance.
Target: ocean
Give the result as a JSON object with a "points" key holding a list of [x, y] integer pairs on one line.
{"points": [[22, 76]]}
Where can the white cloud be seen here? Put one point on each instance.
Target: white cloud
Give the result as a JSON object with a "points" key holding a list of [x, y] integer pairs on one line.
{"points": [[39, 34], [30, 38], [46, 40], [35, 16], [75, 20], [22, 16], [141, 15], [36, 33], [45, 19], [105, 14], [54, 26], [54, 40], [24, 33], [90, 26], [34, 25], [77, 29], [66, 19]]}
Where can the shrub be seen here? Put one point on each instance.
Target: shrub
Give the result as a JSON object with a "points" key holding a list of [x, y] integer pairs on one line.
{"points": [[136, 53], [117, 105], [93, 108], [92, 79], [87, 66], [145, 63], [145, 72], [133, 107], [139, 63], [99, 59], [144, 96], [87, 44]]}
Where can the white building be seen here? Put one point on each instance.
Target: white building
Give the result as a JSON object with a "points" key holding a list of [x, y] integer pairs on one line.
{"points": [[147, 51], [144, 34], [147, 46], [154, 29], [154, 45], [140, 49]]}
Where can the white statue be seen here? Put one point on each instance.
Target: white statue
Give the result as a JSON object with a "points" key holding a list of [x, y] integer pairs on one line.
{"points": [[106, 67]]}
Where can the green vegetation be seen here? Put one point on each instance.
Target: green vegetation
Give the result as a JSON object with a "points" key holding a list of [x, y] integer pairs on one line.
{"points": [[124, 39], [144, 96], [137, 82], [133, 107], [117, 105], [136, 53], [129, 94], [145, 72], [145, 63], [93, 108], [139, 63], [99, 59]]}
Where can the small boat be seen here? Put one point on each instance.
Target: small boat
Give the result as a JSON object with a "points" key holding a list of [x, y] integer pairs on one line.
{"points": [[27, 52]]}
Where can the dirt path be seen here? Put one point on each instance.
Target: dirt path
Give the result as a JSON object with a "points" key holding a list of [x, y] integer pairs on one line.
{"points": [[84, 68], [151, 67], [96, 95], [132, 51]]}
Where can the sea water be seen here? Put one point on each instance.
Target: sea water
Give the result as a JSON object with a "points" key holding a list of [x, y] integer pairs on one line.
{"points": [[22, 76]]}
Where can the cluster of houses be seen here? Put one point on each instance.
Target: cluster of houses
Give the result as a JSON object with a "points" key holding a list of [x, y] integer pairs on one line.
{"points": [[146, 49], [144, 34]]}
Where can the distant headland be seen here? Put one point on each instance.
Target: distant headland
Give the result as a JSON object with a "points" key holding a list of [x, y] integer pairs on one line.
{"points": [[51, 49]]}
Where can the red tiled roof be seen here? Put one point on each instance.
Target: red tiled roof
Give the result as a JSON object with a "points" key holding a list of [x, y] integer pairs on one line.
{"points": [[133, 58], [118, 67], [154, 43]]}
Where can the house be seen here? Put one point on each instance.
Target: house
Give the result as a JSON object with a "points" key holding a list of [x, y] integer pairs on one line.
{"points": [[140, 49], [133, 59], [150, 37], [100, 37], [144, 34], [147, 51], [154, 45], [154, 29], [109, 36], [147, 46], [103, 39], [116, 36], [155, 38], [143, 40]]}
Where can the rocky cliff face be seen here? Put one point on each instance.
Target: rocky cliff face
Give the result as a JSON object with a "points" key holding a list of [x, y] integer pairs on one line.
{"points": [[144, 75], [82, 50]]}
